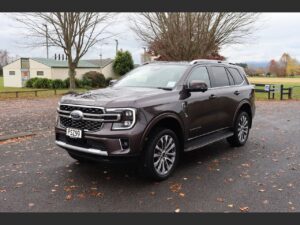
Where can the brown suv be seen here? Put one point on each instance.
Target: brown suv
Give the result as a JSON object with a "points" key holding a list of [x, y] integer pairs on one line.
{"points": [[157, 111]]}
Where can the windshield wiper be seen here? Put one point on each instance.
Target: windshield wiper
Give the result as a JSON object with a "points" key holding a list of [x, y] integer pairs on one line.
{"points": [[165, 88]]}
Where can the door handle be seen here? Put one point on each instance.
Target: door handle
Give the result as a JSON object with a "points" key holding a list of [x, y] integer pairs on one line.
{"points": [[212, 96], [236, 92]]}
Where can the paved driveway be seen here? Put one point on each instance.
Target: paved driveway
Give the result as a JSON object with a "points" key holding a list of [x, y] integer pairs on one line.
{"points": [[36, 175]]}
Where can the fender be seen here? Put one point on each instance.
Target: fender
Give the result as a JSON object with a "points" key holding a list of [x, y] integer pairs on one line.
{"points": [[243, 102], [156, 120]]}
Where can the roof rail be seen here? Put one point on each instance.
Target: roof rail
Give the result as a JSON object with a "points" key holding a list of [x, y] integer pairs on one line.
{"points": [[209, 61]]}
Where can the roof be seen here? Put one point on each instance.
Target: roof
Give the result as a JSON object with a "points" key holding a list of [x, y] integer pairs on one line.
{"points": [[93, 63], [102, 62]]}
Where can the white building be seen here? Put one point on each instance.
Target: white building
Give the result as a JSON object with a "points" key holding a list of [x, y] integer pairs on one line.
{"points": [[18, 72]]}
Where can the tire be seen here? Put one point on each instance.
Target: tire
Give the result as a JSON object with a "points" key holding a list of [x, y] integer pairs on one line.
{"points": [[160, 158], [241, 130]]}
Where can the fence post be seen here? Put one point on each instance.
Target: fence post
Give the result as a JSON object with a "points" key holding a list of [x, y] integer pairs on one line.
{"points": [[54, 91], [35, 92], [281, 91], [17, 94], [290, 93]]}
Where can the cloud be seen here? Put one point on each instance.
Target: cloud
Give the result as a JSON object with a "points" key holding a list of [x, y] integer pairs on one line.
{"points": [[276, 33]]}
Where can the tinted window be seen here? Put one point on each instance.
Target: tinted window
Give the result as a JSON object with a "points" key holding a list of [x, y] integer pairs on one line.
{"points": [[12, 73], [220, 77], [200, 73], [39, 73], [236, 75], [231, 80]]}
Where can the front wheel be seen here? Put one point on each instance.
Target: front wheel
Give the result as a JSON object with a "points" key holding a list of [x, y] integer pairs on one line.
{"points": [[161, 154], [241, 130]]}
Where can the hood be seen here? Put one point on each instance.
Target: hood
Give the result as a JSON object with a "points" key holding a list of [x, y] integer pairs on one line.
{"points": [[112, 96]]}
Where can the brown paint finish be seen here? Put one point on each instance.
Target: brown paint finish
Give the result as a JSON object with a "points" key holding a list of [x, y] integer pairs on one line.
{"points": [[195, 113]]}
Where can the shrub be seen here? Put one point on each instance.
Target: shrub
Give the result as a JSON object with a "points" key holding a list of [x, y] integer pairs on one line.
{"points": [[58, 84], [67, 83], [42, 83], [108, 80], [29, 83], [123, 63], [94, 79]]}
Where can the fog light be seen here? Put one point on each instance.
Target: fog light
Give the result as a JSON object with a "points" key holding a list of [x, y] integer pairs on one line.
{"points": [[124, 143]]}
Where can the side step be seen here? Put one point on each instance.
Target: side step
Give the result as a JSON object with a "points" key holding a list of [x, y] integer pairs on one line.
{"points": [[206, 140]]}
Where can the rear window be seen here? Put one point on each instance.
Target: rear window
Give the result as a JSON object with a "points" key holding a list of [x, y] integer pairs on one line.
{"points": [[236, 76], [220, 76]]}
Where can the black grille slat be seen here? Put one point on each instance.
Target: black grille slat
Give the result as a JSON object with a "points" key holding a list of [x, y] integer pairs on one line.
{"points": [[82, 109], [81, 124]]}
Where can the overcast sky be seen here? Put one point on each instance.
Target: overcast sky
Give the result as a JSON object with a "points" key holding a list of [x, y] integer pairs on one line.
{"points": [[276, 33]]}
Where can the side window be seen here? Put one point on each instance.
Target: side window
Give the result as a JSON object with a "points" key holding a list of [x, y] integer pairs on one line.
{"points": [[200, 73], [236, 75], [12, 73], [231, 80], [220, 76]]}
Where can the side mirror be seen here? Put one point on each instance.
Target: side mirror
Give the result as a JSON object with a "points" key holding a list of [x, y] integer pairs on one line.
{"points": [[111, 82], [197, 86]]}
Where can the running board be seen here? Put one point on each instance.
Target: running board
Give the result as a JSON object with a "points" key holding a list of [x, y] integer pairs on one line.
{"points": [[206, 140]]}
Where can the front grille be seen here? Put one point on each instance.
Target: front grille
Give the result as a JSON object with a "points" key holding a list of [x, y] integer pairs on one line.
{"points": [[82, 109], [88, 123], [80, 124]]}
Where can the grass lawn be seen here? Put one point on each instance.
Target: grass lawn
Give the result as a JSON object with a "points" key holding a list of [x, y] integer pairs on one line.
{"points": [[287, 82], [47, 93]]}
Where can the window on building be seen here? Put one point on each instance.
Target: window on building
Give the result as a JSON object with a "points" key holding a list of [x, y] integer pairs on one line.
{"points": [[12, 72], [40, 73]]}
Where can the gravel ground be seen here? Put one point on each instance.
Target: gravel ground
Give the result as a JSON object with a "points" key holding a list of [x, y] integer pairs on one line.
{"points": [[262, 176]]}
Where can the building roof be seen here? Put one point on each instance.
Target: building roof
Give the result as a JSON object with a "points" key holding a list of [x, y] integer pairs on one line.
{"points": [[92, 63], [102, 62]]}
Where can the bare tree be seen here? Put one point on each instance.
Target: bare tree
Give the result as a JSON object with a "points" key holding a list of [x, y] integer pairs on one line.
{"points": [[188, 36], [74, 32]]}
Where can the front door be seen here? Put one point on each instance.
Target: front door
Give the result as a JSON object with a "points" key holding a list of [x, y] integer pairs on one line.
{"points": [[201, 106]]}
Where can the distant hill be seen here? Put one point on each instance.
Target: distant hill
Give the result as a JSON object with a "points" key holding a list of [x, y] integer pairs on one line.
{"points": [[257, 64]]}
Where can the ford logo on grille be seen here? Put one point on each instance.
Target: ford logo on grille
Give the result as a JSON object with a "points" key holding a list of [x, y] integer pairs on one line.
{"points": [[76, 115]]}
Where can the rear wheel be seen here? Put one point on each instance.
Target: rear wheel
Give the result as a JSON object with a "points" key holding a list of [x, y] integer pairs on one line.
{"points": [[161, 154], [241, 130]]}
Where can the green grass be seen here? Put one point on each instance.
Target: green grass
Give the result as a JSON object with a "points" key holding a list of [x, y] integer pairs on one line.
{"points": [[48, 93], [287, 82]]}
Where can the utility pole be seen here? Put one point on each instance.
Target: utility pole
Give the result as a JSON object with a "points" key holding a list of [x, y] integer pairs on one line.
{"points": [[100, 63], [117, 43], [47, 44]]}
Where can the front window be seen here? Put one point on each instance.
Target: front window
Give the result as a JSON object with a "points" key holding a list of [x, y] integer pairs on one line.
{"points": [[153, 76], [40, 73]]}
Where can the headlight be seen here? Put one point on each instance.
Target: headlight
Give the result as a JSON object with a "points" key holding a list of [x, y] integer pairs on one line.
{"points": [[128, 118]]}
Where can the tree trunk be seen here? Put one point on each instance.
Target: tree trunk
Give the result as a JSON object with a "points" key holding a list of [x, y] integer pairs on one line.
{"points": [[72, 74]]}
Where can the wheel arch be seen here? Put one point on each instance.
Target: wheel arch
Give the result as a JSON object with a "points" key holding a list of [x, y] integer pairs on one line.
{"points": [[243, 106], [169, 120]]}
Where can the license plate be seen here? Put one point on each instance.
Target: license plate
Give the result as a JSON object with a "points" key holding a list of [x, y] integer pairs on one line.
{"points": [[74, 133]]}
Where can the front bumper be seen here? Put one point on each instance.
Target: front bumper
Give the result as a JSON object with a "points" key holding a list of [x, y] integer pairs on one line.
{"points": [[104, 142]]}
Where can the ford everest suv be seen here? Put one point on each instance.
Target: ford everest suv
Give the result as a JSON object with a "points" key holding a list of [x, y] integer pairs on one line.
{"points": [[156, 112]]}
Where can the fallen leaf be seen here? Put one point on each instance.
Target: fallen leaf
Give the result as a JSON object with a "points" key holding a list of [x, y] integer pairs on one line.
{"points": [[244, 209], [31, 205], [181, 194], [175, 187], [220, 199], [230, 205], [69, 197], [177, 210]]}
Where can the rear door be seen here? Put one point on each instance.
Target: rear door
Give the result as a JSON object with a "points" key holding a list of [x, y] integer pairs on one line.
{"points": [[222, 84]]}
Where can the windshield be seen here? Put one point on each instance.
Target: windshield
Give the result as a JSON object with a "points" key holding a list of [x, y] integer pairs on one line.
{"points": [[154, 76]]}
